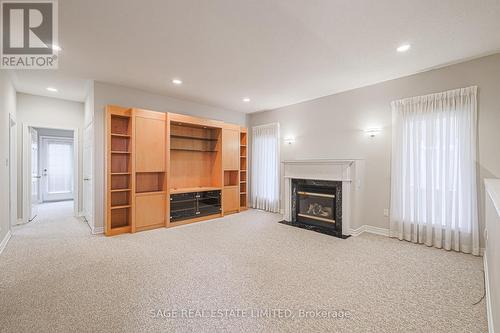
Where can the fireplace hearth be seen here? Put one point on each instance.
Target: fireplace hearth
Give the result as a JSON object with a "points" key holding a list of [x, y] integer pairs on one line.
{"points": [[317, 205]]}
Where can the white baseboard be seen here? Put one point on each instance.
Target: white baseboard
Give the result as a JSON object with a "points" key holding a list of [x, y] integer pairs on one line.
{"points": [[489, 313], [371, 230], [5, 240], [358, 231], [94, 230]]}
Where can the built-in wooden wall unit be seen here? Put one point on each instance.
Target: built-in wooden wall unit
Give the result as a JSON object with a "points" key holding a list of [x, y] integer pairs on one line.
{"points": [[119, 170], [243, 168], [166, 169], [195, 168], [151, 166], [231, 168]]}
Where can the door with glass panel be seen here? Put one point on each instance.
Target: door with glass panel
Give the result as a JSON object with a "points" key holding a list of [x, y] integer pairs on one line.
{"points": [[57, 169]]}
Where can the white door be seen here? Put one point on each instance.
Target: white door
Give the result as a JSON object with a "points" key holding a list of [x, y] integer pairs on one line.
{"points": [[57, 169], [35, 174], [88, 139], [12, 171]]}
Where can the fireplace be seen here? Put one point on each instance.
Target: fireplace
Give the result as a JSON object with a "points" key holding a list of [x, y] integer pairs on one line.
{"points": [[317, 205]]}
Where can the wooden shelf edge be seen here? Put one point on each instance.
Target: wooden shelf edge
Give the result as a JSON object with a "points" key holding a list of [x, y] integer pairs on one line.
{"points": [[231, 186], [143, 194], [194, 150], [121, 190], [120, 135], [150, 227], [194, 189], [120, 207], [118, 230], [120, 173], [120, 152], [175, 136]]}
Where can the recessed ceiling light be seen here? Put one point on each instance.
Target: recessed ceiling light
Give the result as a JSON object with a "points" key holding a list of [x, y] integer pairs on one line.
{"points": [[56, 47], [246, 99], [52, 89], [403, 48], [176, 81]]}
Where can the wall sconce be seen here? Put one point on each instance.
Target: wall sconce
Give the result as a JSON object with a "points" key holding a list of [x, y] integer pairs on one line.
{"points": [[289, 140], [373, 132]]}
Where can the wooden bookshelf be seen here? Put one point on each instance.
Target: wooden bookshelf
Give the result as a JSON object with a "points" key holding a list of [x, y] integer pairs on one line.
{"points": [[119, 169], [243, 169]]}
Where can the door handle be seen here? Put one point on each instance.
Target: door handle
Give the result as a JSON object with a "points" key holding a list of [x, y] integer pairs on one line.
{"points": [[86, 179], [37, 177]]}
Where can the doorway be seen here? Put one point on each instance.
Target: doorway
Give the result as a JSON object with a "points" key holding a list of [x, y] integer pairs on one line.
{"points": [[56, 165], [52, 168]]}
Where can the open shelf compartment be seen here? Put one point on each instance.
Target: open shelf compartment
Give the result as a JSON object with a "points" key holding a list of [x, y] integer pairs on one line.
{"points": [[120, 125], [149, 182], [231, 178], [119, 199], [120, 217], [120, 144]]}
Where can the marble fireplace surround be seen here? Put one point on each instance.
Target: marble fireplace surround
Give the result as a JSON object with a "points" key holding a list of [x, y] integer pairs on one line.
{"points": [[336, 170]]}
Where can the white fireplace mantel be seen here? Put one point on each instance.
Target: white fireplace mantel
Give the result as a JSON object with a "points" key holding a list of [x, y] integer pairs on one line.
{"points": [[333, 170]]}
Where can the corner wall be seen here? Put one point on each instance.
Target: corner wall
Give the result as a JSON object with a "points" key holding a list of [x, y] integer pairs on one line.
{"points": [[105, 94], [333, 127], [7, 107]]}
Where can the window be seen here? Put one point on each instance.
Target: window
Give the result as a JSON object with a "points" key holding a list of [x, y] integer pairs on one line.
{"points": [[265, 167], [433, 190]]}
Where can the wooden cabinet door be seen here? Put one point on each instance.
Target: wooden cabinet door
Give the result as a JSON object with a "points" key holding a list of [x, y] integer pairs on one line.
{"points": [[230, 149], [150, 210], [231, 199], [150, 143]]}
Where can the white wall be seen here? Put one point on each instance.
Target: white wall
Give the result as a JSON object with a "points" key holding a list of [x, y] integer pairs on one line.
{"points": [[332, 127], [105, 94], [7, 107], [492, 253], [54, 132], [47, 112]]}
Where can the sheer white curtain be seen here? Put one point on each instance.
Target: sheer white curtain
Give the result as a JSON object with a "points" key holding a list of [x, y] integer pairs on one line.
{"points": [[433, 176], [265, 167]]}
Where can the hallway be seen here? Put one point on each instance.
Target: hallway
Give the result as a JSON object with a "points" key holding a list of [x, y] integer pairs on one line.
{"points": [[53, 219]]}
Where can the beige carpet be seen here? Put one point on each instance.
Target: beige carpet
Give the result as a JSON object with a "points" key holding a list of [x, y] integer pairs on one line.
{"points": [[55, 276]]}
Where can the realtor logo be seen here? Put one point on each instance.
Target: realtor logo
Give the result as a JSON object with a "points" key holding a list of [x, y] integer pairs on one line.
{"points": [[29, 34]]}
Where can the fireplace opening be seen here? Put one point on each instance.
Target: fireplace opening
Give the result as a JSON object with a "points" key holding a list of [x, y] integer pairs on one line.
{"points": [[317, 205]]}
